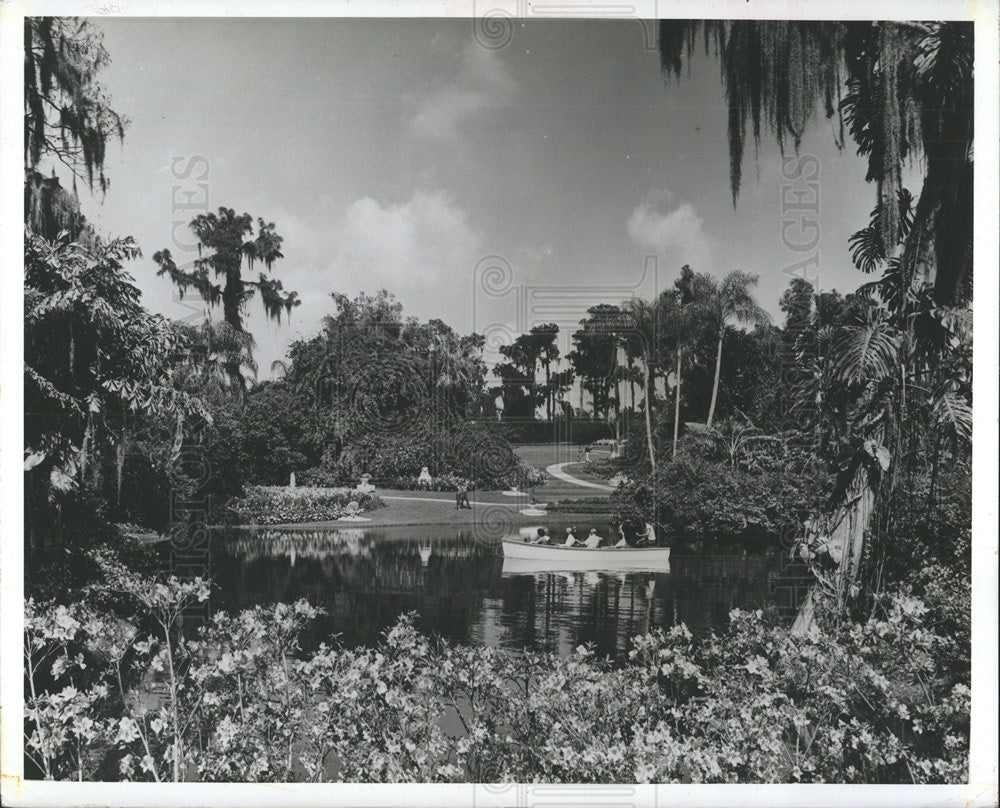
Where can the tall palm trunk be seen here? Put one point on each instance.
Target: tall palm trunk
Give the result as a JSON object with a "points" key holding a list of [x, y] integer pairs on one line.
{"points": [[631, 383], [677, 402], [649, 427], [548, 391], [715, 384]]}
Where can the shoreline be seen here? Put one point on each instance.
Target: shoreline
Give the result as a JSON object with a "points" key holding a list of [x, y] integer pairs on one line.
{"points": [[413, 508]]}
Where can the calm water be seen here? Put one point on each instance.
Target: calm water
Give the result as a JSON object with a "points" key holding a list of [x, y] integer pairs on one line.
{"points": [[365, 578]]}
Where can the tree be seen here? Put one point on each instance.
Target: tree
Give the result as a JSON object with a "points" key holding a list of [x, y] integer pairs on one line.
{"points": [[909, 93], [232, 241], [67, 114], [94, 357], [544, 337], [67, 119], [521, 371], [595, 357], [680, 315], [640, 327], [719, 304]]}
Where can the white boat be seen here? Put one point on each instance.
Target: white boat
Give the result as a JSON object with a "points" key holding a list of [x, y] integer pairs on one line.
{"points": [[521, 556]]}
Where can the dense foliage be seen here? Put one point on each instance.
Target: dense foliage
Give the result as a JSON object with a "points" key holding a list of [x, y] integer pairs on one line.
{"points": [[862, 702], [374, 394], [693, 499], [96, 364]]}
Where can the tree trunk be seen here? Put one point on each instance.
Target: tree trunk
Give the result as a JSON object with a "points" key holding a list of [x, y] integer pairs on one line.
{"points": [[844, 534], [548, 392], [715, 384], [677, 402], [119, 465], [649, 428], [631, 384]]}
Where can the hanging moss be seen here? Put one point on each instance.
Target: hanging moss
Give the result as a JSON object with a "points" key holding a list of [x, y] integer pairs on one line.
{"points": [[902, 90]]}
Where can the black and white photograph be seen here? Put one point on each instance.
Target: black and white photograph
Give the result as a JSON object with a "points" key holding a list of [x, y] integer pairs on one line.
{"points": [[562, 405]]}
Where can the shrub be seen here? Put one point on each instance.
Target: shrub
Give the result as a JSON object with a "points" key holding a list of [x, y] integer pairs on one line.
{"points": [[441, 482], [319, 477], [696, 500], [606, 467], [273, 505], [473, 451], [576, 430], [866, 702]]}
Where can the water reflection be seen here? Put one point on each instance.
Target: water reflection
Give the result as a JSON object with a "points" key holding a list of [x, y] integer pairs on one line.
{"points": [[366, 577]]}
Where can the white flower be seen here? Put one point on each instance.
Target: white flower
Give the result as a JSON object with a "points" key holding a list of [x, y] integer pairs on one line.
{"points": [[127, 731]]}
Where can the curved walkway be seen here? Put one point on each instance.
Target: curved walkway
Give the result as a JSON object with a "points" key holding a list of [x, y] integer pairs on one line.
{"points": [[556, 470]]}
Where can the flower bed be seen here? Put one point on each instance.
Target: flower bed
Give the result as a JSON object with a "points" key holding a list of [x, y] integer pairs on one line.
{"points": [[276, 505], [866, 702]]}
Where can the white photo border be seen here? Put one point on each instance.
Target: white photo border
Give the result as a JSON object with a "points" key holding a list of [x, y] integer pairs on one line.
{"points": [[982, 787]]}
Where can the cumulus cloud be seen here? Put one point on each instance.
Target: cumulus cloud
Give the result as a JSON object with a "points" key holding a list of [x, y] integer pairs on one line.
{"points": [[423, 249], [481, 82], [672, 229]]}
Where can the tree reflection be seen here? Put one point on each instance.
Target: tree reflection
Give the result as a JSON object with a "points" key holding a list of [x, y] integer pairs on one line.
{"points": [[366, 577]]}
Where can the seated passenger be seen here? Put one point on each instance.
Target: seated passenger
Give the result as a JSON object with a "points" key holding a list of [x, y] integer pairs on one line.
{"points": [[621, 531], [542, 537], [593, 541], [570, 538], [648, 536]]}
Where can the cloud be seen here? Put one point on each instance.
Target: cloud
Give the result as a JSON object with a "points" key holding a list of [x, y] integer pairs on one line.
{"points": [[482, 82], [673, 230], [424, 250]]}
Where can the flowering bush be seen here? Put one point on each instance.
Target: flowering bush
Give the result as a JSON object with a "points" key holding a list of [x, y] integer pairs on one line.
{"points": [[276, 505], [851, 702]]}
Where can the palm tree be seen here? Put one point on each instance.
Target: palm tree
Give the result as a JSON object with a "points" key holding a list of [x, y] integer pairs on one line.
{"points": [[680, 309], [720, 304], [640, 327], [544, 340]]}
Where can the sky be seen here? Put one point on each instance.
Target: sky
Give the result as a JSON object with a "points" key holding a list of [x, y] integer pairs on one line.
{"points": [[492, 187]]}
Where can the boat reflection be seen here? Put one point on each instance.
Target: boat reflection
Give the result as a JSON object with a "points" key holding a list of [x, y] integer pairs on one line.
{"points": [[464, 590], [590, 566]]}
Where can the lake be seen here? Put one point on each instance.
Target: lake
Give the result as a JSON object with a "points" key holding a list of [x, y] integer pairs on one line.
{"points": [[366, 577]]}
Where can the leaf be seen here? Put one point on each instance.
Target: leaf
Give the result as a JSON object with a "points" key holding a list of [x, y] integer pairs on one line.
{"points": [[61, 481], [867, 353], [33, 460], [883, 456], [951, 409]]}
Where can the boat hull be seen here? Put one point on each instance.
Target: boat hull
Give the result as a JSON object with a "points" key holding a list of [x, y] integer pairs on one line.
{"points": [[522, 556]]}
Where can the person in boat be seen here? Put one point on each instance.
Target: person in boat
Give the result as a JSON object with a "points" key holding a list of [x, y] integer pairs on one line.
{"points": [[647, 537], [621, 532], [593, 541], [542, 537], [570, 538]]}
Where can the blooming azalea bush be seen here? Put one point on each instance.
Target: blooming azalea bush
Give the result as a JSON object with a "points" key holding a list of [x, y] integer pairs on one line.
{"points": [[277, 505], [242, 700]]}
